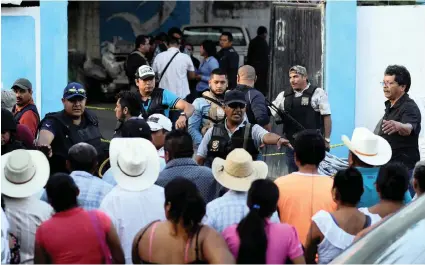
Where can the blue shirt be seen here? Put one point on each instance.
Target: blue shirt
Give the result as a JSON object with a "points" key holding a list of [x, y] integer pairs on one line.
{"points": [[168, 99], [202, 108], [207, 66], [370, 196]]}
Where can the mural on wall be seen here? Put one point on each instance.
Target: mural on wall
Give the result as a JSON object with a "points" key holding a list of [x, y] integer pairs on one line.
{"points": [[127, 19]]}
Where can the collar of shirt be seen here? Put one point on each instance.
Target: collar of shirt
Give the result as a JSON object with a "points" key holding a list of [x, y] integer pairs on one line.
{"points": [[181, 162], [299, 93], [398, 103], [235, 194], [19, 108], [78, 173], [237, 128], [173, 49], [69, 212]]}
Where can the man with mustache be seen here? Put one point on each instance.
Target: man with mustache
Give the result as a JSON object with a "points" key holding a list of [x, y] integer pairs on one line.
{"points": [[59, 131], [308, 105], [235, 132], [25, 111]]}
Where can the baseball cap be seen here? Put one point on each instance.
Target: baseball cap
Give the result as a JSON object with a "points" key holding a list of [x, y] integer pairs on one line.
{"points": [[299, 70], [158, 122], [234, 96], [74, 89], [145, 71], [23, 83], [136, 128]]}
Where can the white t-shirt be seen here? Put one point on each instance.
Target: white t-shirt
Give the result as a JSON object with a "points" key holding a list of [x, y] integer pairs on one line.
{"points": [[161, 154]]}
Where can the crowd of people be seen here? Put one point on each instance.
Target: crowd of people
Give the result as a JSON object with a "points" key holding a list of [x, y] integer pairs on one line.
{"points": [[184, 182]]}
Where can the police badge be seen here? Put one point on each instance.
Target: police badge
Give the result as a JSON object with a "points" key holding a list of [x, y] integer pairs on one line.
{"points": [[304, 101], [214, 145]]}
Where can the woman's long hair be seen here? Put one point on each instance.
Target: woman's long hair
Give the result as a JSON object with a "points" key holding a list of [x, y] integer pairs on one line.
{"points": [[262, 202]]}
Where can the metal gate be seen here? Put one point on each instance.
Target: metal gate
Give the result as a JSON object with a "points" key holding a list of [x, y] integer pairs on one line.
{"points": [[296, 37]]}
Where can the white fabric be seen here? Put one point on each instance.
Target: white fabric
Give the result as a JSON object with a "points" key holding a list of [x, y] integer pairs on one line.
{"points": [[145, 71], [161, 154], [374, 218], [335, 239], [25, 216], [130, 211], [5, 251], [175, 78], [158, 122], [319, 101]]}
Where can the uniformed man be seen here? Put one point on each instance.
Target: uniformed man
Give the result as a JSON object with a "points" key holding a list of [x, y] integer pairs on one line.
{"points": [[308, 105], [235, 132], [158, 100], [74, 124], [228, 58], [209, 109]]}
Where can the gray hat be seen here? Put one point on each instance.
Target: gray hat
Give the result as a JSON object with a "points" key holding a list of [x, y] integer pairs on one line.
{"points": [[8, 99], [23, 83], [299, 70]]}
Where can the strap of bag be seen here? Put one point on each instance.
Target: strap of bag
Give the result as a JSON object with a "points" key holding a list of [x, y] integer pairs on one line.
{"points": [[246, 135], [101, 237], [166, 67], [213, 100]]}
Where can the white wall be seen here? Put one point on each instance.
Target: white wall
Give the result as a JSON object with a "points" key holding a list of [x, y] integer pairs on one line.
{"points": [[388, 35]]}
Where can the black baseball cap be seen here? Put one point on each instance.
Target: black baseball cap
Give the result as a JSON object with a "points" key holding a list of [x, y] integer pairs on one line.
{"points": [[136, 127], [22, 83], [234, 96], [74, 89]]}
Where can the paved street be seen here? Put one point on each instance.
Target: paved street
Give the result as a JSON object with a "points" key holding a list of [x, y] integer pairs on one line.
{"points": [[107, 120]]}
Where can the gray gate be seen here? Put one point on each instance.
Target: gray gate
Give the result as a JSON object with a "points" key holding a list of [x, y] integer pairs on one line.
{"points": [[296, 33]]}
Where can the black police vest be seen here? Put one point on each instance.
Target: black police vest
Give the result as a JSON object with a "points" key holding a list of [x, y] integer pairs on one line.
{"points": [[301, 110], [221, 144], [29, 107], [155, 105], [67, 135]]}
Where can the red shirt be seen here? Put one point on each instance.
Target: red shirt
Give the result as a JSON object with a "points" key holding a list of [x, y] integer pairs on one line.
{"points": [[28, 118], [70, 237]]}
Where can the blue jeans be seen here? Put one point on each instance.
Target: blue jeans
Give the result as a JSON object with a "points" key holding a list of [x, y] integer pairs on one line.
{"points": [[290, 161]]}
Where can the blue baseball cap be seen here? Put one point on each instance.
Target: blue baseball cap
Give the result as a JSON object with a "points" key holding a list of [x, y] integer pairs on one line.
{"points": [[74, 89]]}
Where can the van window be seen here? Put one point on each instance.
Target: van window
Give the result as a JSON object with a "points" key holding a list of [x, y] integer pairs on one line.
{"points": [[196, 35]]}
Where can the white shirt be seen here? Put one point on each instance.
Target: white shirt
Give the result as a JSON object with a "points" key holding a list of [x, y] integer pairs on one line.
{"points": [[5, 251], [319, 101], [161, 154], [25, 216], [130, 211], [175, 78]]}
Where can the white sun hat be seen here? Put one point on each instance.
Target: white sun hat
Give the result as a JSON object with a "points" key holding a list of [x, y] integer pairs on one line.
{"points": [[238, 171], [134, 163], [25, 173], [370, 148]]}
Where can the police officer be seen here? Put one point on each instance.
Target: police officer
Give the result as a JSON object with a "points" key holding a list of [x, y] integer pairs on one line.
{"points": [[209, 109], [308, 105], [235, 132], [228, 58], [158, 100], [74, 124]]}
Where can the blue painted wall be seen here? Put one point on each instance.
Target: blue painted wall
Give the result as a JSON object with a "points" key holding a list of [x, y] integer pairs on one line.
{"points": [[340, 68], [54, 53], [127, 19]]}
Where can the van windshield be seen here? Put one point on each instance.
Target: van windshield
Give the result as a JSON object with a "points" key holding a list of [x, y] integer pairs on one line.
{"points": [[196, 35]]}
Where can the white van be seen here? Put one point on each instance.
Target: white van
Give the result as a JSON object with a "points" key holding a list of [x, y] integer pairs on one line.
{"points": [[196, 34]]}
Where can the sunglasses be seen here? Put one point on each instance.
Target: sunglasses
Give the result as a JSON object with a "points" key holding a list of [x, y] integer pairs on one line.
{"points": [[236, 105], [81, 91]]}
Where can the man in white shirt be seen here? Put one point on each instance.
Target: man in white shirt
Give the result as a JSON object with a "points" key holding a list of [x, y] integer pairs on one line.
{"points": [[175, 77], [135, 201], [159, 125]]}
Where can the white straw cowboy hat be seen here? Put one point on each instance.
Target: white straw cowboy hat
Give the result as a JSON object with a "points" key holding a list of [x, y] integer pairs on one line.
{"points": [[370, 148], [25, 173], [134, 163], [238, 171]]}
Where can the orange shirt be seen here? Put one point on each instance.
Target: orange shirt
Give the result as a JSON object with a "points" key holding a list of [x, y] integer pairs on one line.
{"points": [[28, 118], [300, 197]]}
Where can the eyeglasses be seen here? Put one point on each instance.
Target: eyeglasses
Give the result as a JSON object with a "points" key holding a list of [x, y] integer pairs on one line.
{"points": [[81, 91], [387, 84], [236, 105]]}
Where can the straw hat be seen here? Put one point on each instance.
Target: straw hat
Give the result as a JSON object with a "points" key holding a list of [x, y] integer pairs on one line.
{"points": [[370, 148], [238, 171], [134, 163], [25, 173]]}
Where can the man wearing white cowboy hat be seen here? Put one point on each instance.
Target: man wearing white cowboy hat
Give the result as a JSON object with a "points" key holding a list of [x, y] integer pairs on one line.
{"points": [[236, 173], [368, 152], [24, 174], [135, 201]]}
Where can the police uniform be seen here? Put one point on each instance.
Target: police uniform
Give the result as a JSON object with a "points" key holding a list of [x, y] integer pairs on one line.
{"points": [[228, 59]]}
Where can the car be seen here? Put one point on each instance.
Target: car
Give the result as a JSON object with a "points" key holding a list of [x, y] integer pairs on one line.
{"points": [[397, 240], [196, 34]]}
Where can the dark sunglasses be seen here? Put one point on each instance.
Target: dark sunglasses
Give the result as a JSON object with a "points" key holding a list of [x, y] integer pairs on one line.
{"points": [[236, 105]]}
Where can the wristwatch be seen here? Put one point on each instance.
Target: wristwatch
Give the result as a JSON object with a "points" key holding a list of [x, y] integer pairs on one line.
{"points": [[183, 114], [328, 140]]}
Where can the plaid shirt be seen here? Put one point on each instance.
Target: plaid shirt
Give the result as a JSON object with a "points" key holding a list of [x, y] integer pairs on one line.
{"points": [[201, 176], [228, 210], [92, 190]]}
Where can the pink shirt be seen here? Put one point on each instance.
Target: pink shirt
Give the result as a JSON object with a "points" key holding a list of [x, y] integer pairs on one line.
{"points": [[282, 242], [69, 237]]}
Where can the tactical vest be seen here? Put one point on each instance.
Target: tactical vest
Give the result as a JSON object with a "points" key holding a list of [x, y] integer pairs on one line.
{"points": [[155, 105], [29, 107], [216, 113], [221, 144], [67, 135], [301, 110]]}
